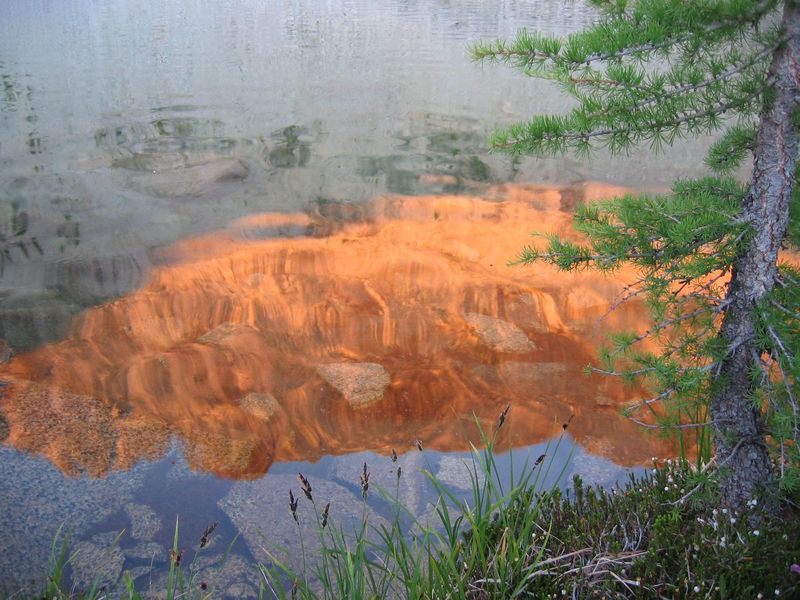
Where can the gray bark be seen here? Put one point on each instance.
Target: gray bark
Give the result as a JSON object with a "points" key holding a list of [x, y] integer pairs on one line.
{"points": [[740, 444]]}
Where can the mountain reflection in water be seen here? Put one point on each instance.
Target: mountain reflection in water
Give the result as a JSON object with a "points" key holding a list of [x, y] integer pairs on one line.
{"points": [[353, 327]]}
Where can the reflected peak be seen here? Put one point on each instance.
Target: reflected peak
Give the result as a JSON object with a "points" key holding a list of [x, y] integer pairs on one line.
{"points": [[403, 321]]}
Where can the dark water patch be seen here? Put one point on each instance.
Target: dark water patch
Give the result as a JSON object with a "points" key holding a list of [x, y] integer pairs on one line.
{"points": [[29, 321], [175, 108], [87, 282], [3, 427], [278, 231]]}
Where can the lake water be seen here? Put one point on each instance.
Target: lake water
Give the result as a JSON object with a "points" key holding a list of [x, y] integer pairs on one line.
{"points": [[248, 238]]}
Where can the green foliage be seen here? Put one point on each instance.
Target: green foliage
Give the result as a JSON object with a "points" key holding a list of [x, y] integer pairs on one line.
{"points": [[658, 535], [731, 149], [682, 245], [793, 231], [59, 559], [778, 333], [712, 64], [659, 543], [650, 72], [478, 546]]}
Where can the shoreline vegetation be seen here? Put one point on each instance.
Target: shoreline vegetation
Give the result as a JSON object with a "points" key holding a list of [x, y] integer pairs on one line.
{"points": [[660, 536]]}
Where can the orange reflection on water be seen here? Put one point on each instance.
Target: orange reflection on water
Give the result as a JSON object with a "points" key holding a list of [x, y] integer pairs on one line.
{"points": [[355, 327]]}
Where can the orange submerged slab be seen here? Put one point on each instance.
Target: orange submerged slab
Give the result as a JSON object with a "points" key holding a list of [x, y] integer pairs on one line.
{"points": [[352, 327]]}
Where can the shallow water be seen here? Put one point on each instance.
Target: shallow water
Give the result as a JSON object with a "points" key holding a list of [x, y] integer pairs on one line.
{"points": [[256, 238]]}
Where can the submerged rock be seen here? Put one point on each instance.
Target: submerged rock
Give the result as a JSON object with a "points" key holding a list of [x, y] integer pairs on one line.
{"points": [[261, 406], [145, 523], [137, 572], [522, 376], [459, 472], [498, 334], [33, 516], [221, 333], [234, 577], [361, 384], [92, 562], [229, 579], [262, 506], [413, 490], [193, 180], [223, 454], [149, 551], [595, 470]]}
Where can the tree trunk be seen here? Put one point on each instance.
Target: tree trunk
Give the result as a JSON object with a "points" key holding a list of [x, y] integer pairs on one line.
{"points": [[739, 438]]}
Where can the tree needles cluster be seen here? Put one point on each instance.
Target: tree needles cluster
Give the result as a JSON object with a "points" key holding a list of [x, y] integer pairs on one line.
{"points": [[725, 311]]}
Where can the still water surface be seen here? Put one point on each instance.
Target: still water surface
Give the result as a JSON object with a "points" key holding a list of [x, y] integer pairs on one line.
{"points": [[255, 237]]}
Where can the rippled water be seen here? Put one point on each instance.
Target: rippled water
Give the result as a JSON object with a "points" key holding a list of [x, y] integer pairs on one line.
{"points": [[248, 238]]}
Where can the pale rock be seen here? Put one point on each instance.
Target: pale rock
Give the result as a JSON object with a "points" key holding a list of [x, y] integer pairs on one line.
{"points": [[459, 472], [219, 334], [149, 551], [262, 506], [137, 572], [361, 384], [145, 523], [603, 400], [193, 180], [261, 406], [595, 470], [498, 334], [92, 562]]}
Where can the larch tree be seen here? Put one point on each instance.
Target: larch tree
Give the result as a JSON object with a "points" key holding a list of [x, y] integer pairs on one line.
{"points": [[725, 308]]}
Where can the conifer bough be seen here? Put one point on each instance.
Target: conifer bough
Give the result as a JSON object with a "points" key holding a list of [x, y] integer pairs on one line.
{"points": [[726, 313]]}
